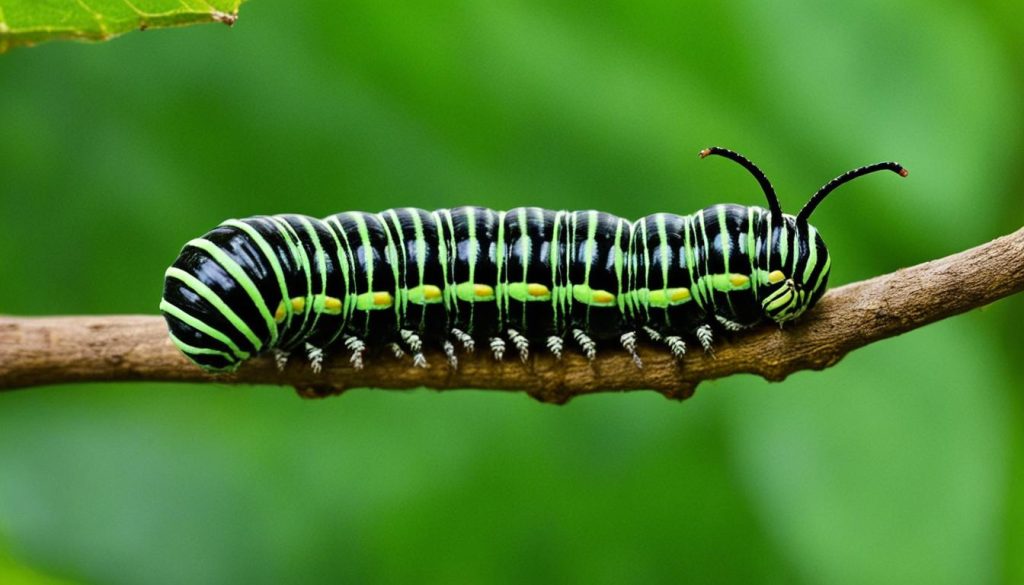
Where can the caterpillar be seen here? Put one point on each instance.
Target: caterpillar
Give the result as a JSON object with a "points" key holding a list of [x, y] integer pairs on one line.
{"points": [[514, 280]]}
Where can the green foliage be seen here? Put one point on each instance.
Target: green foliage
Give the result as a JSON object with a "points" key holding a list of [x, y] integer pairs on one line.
{"points": [[13, 572], [27, 22], [901, 464]]}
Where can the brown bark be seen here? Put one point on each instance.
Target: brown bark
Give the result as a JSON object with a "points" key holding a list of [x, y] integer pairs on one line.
{"points": [[55, 350]]}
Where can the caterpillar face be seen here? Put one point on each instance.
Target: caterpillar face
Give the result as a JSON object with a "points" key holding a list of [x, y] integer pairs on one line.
{"points": [[508, 281], [795, 268]]}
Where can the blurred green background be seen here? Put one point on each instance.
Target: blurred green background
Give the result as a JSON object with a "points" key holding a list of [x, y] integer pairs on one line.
{"points": [[902, 464]]}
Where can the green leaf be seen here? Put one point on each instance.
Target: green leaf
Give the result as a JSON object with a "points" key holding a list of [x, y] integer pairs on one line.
{"points": [[27, 22]]}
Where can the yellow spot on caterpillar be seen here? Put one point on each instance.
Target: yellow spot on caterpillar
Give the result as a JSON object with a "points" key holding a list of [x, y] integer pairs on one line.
{"points": [[776, 276], [537, 290], [664, 298], [424, 294], [382, 299], [679, 294], [280, 313], [471, 292], [371, 301], [531, 292], [332, 305], [739, 280], [589, 296], [298, 305]]}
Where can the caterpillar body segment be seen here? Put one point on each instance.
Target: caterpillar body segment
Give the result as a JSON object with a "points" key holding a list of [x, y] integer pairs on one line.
{"points": [[512, 282]]}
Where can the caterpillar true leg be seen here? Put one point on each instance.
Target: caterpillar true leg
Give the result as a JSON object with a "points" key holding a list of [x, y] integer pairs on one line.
{"points": [[449, 352], [676, 345], [555, 345], [315, 356], [703, 334], [396, 350], [498, 348], [280, 359], [521, 344], [358, 348], [415, 345], [586, 343], [731, 325], [419, 360], [652, 334], [467, 342], [628, 341]]}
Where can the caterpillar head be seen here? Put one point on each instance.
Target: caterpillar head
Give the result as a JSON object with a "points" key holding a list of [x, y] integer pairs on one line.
{"points": [[794, 265], [791, 260]]}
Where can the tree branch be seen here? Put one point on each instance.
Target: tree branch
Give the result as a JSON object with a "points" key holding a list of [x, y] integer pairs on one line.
{"points": [[54, 350]]}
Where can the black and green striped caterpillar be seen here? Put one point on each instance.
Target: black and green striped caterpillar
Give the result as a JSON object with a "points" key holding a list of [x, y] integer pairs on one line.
{"points": [[527, 277]]}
